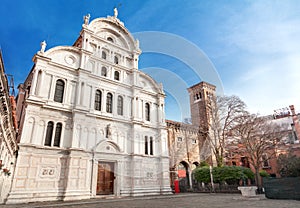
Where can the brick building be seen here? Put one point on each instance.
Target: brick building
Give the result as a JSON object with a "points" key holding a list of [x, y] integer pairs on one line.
{"points": [[187, 143], [288, 143]]}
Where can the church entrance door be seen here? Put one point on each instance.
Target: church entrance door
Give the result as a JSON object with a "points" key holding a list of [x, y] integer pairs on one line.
{"points": [[105, 178]]}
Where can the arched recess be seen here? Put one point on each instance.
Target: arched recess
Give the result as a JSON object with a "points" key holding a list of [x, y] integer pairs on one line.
{"points": [[183, 176], [107, 28], [29, 130], [194, 165], [107, 147]]}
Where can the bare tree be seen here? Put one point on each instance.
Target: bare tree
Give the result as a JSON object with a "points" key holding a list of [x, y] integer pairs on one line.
{"points": [[223, 112], [257, 136]]}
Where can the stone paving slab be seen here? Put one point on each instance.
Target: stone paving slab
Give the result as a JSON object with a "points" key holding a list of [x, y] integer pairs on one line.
{"points": [[192, 200]]}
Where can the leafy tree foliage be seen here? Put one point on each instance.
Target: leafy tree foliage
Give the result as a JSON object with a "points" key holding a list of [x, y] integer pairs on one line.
{"points": [[203, 164], [264, 173], [228, 174], [202, 174]]}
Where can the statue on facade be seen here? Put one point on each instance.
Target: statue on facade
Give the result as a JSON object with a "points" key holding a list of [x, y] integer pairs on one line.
{"points": [[43, 46], [108, 131], [86, 19]]}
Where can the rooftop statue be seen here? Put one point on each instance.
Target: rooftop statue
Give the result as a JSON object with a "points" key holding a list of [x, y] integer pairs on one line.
{"points": [[43, 46], [86, 19], [115, 12]]}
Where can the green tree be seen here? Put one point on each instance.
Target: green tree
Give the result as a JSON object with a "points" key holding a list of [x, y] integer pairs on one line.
{"points": [[202, 174], [228, 174]]}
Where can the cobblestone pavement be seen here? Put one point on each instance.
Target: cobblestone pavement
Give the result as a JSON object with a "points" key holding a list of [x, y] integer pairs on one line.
{"points": [[180, 200]]}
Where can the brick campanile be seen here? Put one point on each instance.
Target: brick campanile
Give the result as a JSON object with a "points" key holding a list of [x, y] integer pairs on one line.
{"points": [[199, 96]]}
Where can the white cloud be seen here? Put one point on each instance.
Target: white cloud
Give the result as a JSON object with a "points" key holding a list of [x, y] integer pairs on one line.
{"points": [[271, 86], [269, 34]]}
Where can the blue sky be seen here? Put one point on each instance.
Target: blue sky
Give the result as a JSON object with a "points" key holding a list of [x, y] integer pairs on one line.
{"points": [[253, 45]]}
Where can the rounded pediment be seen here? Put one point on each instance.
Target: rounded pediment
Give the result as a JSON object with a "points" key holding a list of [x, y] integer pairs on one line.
{"points": [[107, 146], [113, 30], [65, 55], [149, 84]]}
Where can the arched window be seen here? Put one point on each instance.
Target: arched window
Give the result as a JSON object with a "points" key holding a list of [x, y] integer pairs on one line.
{"points": [[103, 71], [117, 75], [146, 145], [98, 100], [49, 133], [103, 55], [116, 60], [57, 134], [59, 91], [120, 105], [151, 146], [110, 39], [109, 103], [39, 83], [147, 112]]}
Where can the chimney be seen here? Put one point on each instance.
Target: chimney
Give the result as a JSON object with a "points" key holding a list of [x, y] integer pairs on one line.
{"points": [[292, 110]]}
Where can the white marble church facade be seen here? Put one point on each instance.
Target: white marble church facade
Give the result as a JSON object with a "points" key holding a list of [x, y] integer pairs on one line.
{"points": [[91, 122]]}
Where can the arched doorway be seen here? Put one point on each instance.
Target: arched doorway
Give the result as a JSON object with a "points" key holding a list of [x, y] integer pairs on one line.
{"points": [[183, 176]]}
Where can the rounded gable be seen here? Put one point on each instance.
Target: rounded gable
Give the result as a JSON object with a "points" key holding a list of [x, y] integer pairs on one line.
{"points": [[113, 29], [149, 84], [65, 55]]}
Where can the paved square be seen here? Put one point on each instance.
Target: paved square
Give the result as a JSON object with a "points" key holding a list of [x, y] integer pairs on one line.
{"points": [[192, 200]]}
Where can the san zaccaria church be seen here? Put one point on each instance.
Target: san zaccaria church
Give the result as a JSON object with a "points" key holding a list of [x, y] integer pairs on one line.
{"points": [[90, 122]]}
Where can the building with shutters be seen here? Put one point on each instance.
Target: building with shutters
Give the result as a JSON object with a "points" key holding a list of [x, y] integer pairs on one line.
{"points": [[90, 122]]}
